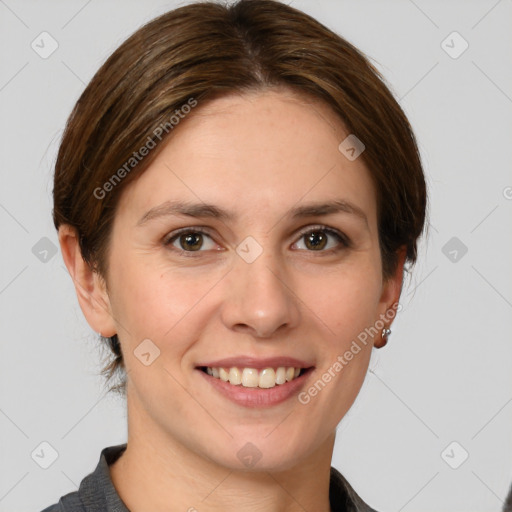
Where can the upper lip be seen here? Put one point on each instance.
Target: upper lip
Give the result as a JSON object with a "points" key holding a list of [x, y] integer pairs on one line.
{"points": [[257, 363]]}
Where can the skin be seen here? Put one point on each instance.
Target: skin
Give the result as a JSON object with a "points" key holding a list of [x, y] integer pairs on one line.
{"points": [[258, 156]]}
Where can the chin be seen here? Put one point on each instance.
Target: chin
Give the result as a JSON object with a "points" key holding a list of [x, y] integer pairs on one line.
{"points": [[257, 454]]}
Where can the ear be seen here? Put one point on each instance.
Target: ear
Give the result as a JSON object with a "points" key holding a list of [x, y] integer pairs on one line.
{"points": [[90, 287], [391, 290]]}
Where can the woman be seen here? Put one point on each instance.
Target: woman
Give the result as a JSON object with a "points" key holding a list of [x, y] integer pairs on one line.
{"points": [[237, 195]]}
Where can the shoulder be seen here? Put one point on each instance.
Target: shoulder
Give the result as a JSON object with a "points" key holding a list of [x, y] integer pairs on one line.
{"points": [[508, 504], [53, 508], [343, 497], [96, 492], [69, 503]]}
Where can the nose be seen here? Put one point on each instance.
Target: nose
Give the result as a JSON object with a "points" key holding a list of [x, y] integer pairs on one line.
{"points": [[259, 300]]}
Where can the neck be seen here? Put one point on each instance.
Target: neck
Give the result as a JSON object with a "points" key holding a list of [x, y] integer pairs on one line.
{"points": [[159, 474]]}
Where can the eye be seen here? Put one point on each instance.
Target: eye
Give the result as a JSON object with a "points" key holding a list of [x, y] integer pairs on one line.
{"points": [[317, 239], [190, 240]]}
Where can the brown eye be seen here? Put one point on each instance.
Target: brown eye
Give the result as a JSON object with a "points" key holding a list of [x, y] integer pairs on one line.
{"points": [[318, 239], [315, 240], [190, 240]]}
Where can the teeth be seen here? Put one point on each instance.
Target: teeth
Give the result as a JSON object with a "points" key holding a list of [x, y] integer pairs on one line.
{"points": [[223, 374], [235, 377], [281, 375], [252, 378], [267, 378]]}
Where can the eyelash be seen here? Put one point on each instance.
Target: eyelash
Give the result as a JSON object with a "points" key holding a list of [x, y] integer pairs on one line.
{"points": [[340, 237]]}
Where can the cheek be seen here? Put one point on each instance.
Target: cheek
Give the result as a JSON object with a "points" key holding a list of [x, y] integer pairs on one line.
{"points": [[348, 309], [345, 300], [153, 302], [346, 304]]}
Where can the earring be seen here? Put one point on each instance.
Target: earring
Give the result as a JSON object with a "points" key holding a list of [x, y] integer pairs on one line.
{"points": [[385, 336]]}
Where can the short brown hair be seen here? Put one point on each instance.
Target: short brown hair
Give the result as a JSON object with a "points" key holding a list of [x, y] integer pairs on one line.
{"points": [[205, 50]]}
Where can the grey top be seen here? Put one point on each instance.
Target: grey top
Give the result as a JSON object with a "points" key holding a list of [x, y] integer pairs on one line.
{"points": [[507, 506], [98, 494]]}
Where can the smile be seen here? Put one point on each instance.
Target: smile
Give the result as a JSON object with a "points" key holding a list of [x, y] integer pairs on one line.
{"points": [[252, 387]]}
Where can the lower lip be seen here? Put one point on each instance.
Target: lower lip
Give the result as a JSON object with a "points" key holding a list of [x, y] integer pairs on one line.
{"points": [[258, 397]]}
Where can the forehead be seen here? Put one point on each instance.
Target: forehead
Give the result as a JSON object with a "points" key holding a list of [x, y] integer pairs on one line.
{"points": [[258, 152]]}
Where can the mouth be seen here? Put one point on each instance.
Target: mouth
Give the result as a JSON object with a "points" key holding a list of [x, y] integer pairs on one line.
{"points": [[259, 383]]}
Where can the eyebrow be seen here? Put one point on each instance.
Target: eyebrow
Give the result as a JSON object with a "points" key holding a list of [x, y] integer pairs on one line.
{"points": [[204, 210]]}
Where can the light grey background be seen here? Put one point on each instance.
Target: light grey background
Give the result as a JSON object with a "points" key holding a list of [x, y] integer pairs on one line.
{"points": [[446, 374]]}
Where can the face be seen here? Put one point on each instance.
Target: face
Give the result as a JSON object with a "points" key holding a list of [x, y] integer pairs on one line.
{"points": [[250, 242]]}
